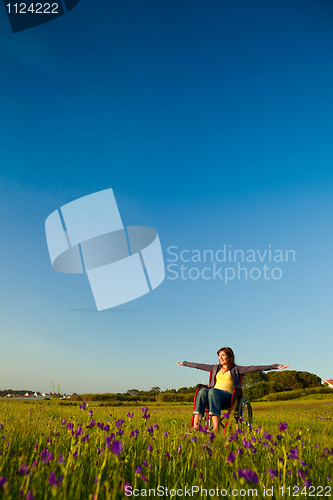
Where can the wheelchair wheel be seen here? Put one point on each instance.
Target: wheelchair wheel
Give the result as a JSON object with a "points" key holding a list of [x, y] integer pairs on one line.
{"points": [[244, 413]]}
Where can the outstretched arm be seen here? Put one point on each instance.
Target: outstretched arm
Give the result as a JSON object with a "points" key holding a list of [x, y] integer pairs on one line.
{"points": [[262, 368], [199, 366]]}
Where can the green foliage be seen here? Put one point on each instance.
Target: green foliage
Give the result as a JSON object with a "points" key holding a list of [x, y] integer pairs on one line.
{"points": [[257, 391], [284, 396], [253, 378], [289, 380]]}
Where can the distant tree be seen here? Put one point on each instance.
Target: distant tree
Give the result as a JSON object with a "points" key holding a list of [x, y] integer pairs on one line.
{"points": [[291, 379], [155, 389], [186, 390], [257, 390], [132, 392], [250, 379]]}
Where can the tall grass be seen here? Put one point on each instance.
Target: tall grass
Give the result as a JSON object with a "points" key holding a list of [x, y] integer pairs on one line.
{"points": [[53, 451]]}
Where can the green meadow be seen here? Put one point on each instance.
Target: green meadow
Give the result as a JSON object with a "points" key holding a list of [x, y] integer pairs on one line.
{"points": [[50, 449]]}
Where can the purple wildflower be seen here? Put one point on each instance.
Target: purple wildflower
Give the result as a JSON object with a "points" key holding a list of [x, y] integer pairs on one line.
{"points": [[145, 463], [46, 456], [240, 451], [120, 432], [78, 431], [307, 483], [75, 454], [246, 444], [179, 449], [90, 412], [194, 464], [100, 425], [85, 438], [165, 434], [91, 423], [144, 478], [126, 485], [35, 463], [108, 440], [301, 474], [130, 415], [36, 446], [273, 472], [120, 422], [283, 426], [30, 496], [194, 439], [149, 448], [150, 429], [63, 422], [24, 470], [106, 428], [116, 447], [293, 454], [3, 480], [267, 436], [211, 436], [138, 470], [61, 460], [201, 476], [231, 457], [329, 478], [135, 433], [249, 475], [52, 479]]}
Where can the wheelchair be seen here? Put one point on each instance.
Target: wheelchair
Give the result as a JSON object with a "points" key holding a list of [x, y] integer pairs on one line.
{"points": [[239, 414]]}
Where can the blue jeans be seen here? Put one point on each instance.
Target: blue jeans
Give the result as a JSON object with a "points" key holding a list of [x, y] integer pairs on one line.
{"points": [[214, 399]]}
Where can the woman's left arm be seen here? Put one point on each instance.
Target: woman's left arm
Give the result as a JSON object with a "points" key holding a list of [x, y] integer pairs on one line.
{"points": [[262, 368]]}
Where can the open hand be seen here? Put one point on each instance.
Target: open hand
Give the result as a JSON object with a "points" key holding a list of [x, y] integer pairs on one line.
{"points": [[178, 363], [281, 367]]}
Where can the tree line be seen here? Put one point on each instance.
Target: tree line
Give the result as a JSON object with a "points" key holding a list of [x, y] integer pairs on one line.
{"points": [[255, 385]]}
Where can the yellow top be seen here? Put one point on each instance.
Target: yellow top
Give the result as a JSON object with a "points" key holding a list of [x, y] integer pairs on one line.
{"points": [[224, 382]]}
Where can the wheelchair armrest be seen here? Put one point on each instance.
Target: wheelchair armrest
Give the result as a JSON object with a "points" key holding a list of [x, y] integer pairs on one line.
{"points": [[200, 386]]}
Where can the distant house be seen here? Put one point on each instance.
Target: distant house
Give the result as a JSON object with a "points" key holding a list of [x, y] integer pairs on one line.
{"points": [[328, 382]]}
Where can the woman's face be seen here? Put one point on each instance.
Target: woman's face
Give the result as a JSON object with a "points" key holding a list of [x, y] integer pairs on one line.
{"points": [[224, 358]]}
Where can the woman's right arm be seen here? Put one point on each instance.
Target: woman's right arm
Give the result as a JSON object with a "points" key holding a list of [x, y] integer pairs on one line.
{"points": [[206, 368]]}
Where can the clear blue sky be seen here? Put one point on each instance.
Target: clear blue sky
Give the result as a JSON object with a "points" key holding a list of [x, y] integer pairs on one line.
{"points": [[212, 122]]}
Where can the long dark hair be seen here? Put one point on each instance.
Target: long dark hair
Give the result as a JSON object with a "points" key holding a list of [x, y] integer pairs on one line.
{"points": [[231, 355]]}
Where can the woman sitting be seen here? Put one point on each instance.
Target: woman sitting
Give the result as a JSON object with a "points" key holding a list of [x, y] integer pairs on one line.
{"points": [[225, 378]]}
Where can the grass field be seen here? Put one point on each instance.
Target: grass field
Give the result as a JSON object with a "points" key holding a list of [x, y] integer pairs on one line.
{"points": [[49, 450]]}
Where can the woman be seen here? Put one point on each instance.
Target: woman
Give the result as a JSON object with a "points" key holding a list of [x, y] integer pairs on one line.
{"points": [[225, 378]]}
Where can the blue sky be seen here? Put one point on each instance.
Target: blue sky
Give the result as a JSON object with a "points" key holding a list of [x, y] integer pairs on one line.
{"points": [[211, 121]]}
